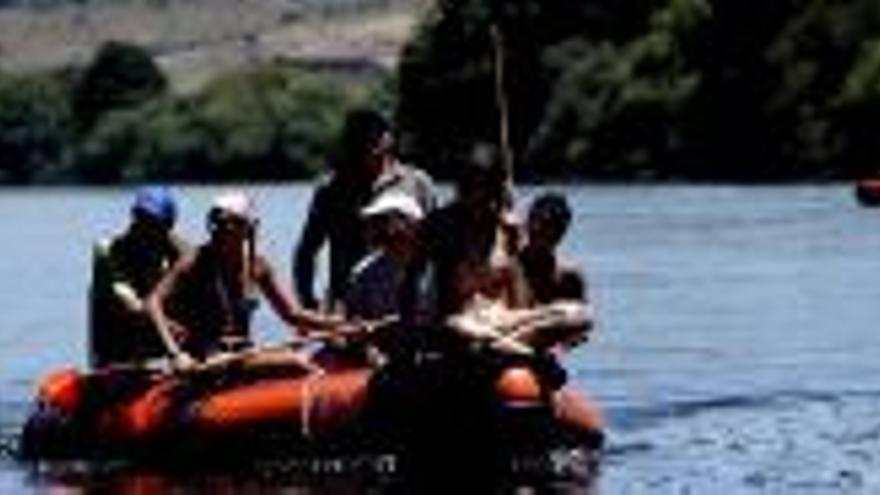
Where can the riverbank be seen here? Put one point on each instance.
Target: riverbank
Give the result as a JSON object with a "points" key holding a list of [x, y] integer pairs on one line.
{"points": [[195, 40]]}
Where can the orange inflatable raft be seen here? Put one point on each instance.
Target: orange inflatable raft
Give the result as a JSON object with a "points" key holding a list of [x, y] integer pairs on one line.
{"points": [[397, 410], [868, 192]]}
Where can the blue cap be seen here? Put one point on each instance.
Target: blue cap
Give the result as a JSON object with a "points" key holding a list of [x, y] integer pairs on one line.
{"points": [[157, 202]]}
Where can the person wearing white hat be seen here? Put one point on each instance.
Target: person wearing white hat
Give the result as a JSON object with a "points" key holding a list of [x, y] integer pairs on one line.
{"points": [[366, 167], [205, 302], [373, 289]]}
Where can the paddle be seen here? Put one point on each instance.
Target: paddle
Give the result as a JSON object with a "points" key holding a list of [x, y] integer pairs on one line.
{"points": [[285, 352]]}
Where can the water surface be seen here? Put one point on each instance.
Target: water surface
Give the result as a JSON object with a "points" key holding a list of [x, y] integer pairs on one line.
{"points": [[736, 350]]}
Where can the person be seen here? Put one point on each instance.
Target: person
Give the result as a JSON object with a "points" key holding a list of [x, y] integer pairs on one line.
{"points": [[125, 269], [365, 168], [484, 295], [469, 244], [376, 280], [552, 279], [374, 287], [210, 296]]}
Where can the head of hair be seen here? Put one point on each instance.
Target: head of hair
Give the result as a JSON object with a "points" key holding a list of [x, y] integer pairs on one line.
{"points": [[552, 209], [482, 167], [363, 129]]}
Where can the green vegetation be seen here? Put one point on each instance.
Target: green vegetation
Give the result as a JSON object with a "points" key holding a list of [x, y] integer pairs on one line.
{"points": [[116, 122], [35, 127], [652, 89], [604, 90]]}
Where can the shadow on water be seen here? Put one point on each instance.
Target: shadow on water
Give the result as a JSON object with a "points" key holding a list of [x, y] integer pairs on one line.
{"points": [[568, 472], [306, 476]]}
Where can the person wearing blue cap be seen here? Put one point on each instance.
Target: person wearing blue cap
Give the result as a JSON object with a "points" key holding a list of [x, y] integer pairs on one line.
{"points": [[125, 270]]}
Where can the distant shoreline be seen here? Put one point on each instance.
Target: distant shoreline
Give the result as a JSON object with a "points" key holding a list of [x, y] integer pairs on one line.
{"points": [[194, 40]]}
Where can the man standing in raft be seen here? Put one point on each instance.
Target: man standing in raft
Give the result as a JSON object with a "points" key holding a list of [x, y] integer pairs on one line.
{"points": [[364, 168], [211, 295], [125, 270], [483, 293]]}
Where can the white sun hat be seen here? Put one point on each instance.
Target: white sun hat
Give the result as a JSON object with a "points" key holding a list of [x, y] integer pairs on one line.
{"points": [[233, 203], [394, 201]]}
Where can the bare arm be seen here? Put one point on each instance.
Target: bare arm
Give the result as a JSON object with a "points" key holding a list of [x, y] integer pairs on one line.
{"points": [[313, 235], [285, 305], [566, 321], [109, 277], [155, 309], [473, 328]]}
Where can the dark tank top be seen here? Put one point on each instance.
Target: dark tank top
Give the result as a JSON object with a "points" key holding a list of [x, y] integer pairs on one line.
{"points": [[211, 305]]}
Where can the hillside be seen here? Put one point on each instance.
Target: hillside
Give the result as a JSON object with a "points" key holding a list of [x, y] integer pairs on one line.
{"points": [[195, 39]]}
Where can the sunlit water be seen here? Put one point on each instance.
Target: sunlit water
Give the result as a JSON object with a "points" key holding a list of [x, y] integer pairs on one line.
{"points": [[737, 348]]}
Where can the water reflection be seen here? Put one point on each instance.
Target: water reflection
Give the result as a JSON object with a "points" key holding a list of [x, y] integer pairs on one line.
{"points": [[314, 477]]}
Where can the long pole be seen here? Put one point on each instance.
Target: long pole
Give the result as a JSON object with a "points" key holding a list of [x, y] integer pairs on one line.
{"points": [[501, 101]]}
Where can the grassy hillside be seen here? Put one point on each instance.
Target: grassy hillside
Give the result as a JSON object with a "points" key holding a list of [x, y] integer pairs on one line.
{"points": [[195, 39]]}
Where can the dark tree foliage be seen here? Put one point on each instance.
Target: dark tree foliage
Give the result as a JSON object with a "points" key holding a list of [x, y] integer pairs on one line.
{"points": [[266, 123], [446, 75], [120, 76], [35, 124], [668, 89]]}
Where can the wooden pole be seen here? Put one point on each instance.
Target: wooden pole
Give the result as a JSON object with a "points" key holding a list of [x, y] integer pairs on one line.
{"points": [[501, 101]]}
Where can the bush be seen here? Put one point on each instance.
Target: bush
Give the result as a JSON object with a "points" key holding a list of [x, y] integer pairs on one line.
{"points": [[120, 76], [266, 123], [35, 125]]}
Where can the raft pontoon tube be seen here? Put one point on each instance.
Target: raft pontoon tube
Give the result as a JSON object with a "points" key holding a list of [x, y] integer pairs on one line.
{"points": [[868, 192], [150, 415]]}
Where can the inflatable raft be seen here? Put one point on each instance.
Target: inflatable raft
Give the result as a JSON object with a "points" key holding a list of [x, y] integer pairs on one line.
{"points": [[406, 410], [867, 192]]}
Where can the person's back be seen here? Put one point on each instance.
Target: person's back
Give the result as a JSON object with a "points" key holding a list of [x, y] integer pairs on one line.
{"points": [[125, 269]]}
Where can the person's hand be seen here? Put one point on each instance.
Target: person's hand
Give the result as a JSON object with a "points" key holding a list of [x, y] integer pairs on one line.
{"points": [[183, 362], [571, 311], [353, 330]]}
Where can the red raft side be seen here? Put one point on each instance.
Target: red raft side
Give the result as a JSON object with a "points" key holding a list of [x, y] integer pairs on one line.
{"points": [[313, 404], [518, 386], [168, 410], [868, 192]]}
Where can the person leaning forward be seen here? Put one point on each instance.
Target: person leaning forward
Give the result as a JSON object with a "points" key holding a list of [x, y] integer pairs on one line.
{"points": [[365, 168], [210, 296], [125, 269]]}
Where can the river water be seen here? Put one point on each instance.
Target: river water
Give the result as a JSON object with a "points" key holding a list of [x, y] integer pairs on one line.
{"points": [[736, 351]]}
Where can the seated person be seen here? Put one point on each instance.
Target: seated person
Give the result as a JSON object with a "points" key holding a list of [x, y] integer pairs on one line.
{"points": [[551, 279], [211, 295], [125, 270], [374, 286]]}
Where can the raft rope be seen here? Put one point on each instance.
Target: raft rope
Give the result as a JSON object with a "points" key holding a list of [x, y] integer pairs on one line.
{"points": [[308, 394]]}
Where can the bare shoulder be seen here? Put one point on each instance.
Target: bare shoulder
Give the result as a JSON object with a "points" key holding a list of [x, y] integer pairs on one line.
{"points": [[262, 267]]}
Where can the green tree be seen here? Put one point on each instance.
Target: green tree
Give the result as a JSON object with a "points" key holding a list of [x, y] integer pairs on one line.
{"points": [[35, 121], [120, 76], [265, 123]]}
